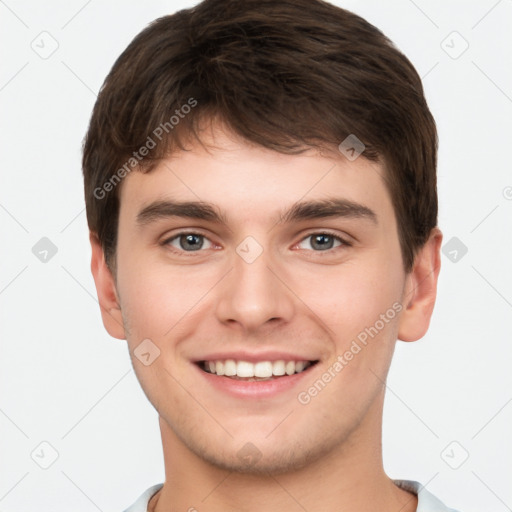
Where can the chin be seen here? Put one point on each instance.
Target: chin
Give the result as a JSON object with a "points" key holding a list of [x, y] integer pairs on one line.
{"points": [[262, 458]]}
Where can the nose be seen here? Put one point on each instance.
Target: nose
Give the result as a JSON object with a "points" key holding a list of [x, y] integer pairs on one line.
{"points": [[254, 295]]}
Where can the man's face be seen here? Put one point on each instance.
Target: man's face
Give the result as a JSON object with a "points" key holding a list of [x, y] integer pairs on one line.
{"points": [[261, 288]]}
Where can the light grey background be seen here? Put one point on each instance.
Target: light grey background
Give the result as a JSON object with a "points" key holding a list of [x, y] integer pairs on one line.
{"points": [[65, 382]]}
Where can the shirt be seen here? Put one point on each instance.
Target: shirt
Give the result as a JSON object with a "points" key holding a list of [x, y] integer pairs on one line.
{"points": [[427, 502]]}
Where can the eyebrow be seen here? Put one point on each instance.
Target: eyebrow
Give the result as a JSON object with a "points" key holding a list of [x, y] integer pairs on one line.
{"points": [[335, 207], [301, 211]]}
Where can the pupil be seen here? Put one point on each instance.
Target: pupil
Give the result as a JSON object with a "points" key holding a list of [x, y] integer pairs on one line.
{"points": [[191, 242], [320, 242]]}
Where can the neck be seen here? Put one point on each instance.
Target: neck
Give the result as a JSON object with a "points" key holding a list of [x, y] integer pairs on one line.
{"points": [[349, 478]]}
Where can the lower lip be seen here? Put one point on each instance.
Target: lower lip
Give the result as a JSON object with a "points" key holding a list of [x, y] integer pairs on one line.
{"points": [[254, 389]]}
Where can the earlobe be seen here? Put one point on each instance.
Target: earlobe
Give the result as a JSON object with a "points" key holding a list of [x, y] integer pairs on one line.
{"points": [[106, 290], [420, 290]]}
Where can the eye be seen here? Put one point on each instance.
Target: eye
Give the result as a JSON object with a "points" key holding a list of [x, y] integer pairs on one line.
{"points": [[324, 241], [188, 242]]}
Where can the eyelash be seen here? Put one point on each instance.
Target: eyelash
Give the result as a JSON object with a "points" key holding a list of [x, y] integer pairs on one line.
{"points": [[180, 252]]}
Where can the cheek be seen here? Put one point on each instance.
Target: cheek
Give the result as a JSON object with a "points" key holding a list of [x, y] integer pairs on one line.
{"points": [[353, 297], [361, 306], [160, 302], [149, 302]]}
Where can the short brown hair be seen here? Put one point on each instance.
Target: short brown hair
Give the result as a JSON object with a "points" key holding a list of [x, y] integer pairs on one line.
{"points": [[285, 74]]}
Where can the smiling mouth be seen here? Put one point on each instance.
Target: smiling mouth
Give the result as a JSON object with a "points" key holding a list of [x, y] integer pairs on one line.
{"points": [[252, 372]]}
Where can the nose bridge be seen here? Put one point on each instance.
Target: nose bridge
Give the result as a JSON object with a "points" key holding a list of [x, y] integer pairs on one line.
{"points": [[252, 294]]}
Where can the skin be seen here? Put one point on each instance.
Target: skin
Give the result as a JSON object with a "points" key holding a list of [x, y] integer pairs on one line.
{"points": [[326, 454]]}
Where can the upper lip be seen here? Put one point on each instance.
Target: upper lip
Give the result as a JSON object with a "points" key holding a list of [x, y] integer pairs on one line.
{"points": [[255, 357]]}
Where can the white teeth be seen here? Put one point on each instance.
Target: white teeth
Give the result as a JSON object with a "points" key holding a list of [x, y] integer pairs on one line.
{"points": [[229, 368], [261, 369], [278, 368], [299, 366], [244, 369], [290, 368]]}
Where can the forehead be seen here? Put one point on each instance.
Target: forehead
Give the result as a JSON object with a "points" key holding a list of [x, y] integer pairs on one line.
{"points": [[248, 181]]}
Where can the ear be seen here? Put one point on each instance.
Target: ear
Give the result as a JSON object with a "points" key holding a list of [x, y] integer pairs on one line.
{"points": [[106, 290], [420, 290]]}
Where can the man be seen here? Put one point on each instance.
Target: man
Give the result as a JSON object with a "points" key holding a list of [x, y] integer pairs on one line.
{"points": [[260, 181]]}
